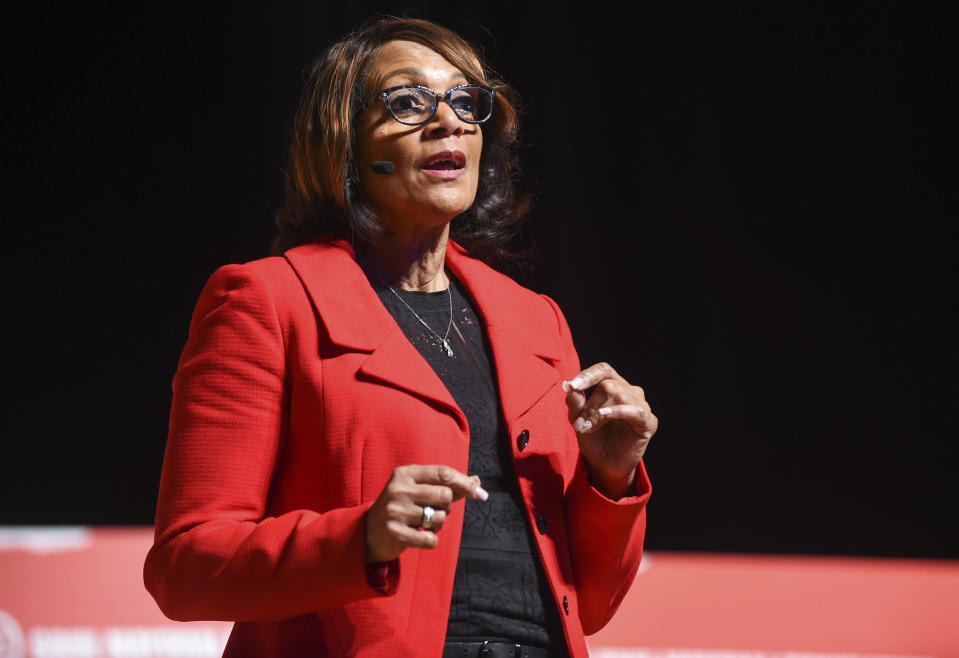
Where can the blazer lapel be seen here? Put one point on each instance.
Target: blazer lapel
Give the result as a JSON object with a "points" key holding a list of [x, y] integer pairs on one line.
{"points": [[523, 339], [354, 318], [396, 362]]}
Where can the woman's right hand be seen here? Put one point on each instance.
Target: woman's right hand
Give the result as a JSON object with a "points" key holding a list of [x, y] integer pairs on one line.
{"points": [[394, 522]]}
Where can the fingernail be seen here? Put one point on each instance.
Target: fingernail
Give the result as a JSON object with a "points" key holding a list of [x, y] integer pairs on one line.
{"points": [[604, 411], [577, 383], [481, 492], [566, 387], [582, 426], [647, 435]]}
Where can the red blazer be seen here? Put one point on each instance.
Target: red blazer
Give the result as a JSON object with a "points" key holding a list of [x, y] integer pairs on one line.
{"points": [[296, 396]]}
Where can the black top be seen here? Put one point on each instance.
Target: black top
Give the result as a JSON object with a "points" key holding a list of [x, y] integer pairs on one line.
{"points": [[500, 591]]}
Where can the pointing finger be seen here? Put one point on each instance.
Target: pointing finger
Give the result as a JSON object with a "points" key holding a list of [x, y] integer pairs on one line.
{"points": [[460, 483]]}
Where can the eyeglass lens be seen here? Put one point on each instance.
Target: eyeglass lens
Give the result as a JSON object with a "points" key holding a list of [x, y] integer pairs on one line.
{"points": [[414, 105]]}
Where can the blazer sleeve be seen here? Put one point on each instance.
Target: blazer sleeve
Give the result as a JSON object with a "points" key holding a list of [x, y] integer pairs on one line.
{"points": [[605, 536], [216, 555]]}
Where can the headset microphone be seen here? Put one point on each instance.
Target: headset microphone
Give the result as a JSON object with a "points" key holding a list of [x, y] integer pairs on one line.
{"points": [[383, 167]]}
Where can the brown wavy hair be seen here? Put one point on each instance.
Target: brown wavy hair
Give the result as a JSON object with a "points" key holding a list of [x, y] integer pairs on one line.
{"points": [[324, 196]]}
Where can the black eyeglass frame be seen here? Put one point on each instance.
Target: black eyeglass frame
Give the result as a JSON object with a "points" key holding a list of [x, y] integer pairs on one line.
{"points": [[437, 99]]}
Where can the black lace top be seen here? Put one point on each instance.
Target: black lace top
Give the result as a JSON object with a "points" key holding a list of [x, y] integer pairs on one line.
{"points": [[500, 590]]}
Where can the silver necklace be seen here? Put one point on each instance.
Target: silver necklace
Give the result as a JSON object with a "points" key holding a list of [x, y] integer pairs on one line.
{"points": [[446, 344]]}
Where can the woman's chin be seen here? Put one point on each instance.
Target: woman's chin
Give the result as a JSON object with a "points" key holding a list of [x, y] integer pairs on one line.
{"points": [[426, 214], [451, 205]]}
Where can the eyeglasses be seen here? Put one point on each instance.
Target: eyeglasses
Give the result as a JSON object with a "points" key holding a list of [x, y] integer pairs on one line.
{"points": [[415, 105]]}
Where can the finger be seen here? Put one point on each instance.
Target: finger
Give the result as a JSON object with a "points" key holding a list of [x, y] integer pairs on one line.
{"points": [[410, 537], [436, 523], [412, 514], [437, 496], [405, 492], [609, 392], [460, 483], [640, 419], [575, 401], [588, 418], [594, 375]]}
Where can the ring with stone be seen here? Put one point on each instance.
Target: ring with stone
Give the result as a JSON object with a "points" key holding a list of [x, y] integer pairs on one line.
{"points": [[427, 521]]}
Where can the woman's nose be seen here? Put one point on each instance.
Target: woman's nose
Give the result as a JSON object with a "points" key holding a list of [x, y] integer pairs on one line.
{"points": [[444, 120]]}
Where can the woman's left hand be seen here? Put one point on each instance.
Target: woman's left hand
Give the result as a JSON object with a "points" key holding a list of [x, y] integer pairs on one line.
{"points": [[614, 426]]}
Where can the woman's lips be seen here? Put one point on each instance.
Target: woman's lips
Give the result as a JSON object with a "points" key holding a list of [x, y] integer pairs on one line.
{"points": [[446, 165], [445, 174]]}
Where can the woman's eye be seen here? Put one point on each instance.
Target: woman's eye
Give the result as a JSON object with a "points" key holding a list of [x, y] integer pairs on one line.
{"points": [[406, 102], [463, 104]]}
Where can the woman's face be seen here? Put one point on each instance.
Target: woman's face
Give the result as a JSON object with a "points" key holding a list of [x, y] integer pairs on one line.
{"points": [[437, 163]]}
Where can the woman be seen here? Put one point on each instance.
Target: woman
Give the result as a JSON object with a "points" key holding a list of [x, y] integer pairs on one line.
{"points": [[378, 444]]}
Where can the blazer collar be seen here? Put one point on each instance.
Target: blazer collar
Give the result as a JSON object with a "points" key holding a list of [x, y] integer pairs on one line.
{"points": [[348, 306], [523, 343]]}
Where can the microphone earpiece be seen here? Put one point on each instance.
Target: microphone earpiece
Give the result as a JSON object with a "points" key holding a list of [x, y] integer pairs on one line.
{"points": [[383, 167]]}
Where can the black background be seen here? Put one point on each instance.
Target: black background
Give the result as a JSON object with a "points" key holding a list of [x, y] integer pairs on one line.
{"points": [[747, 209]]}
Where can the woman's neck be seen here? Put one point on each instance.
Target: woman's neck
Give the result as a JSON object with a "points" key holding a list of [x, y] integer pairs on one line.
{"points": [[408, 261]]}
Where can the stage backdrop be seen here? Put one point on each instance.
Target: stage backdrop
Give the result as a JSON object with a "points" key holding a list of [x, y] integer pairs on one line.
{"points": [[743, 207]]}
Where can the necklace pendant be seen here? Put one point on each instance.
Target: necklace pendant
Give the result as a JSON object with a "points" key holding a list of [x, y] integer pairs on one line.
{"points": [[449, 350]]}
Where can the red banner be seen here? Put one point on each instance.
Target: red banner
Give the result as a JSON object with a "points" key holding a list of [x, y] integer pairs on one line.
{"points": [[78, 593]]}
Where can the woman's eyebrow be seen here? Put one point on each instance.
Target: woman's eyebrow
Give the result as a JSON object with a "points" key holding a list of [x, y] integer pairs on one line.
{"points": [[406, 70], [418, 73]]}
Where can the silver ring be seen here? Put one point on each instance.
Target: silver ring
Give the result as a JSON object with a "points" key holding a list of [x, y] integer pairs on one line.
{"points": [[428, 513]]}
